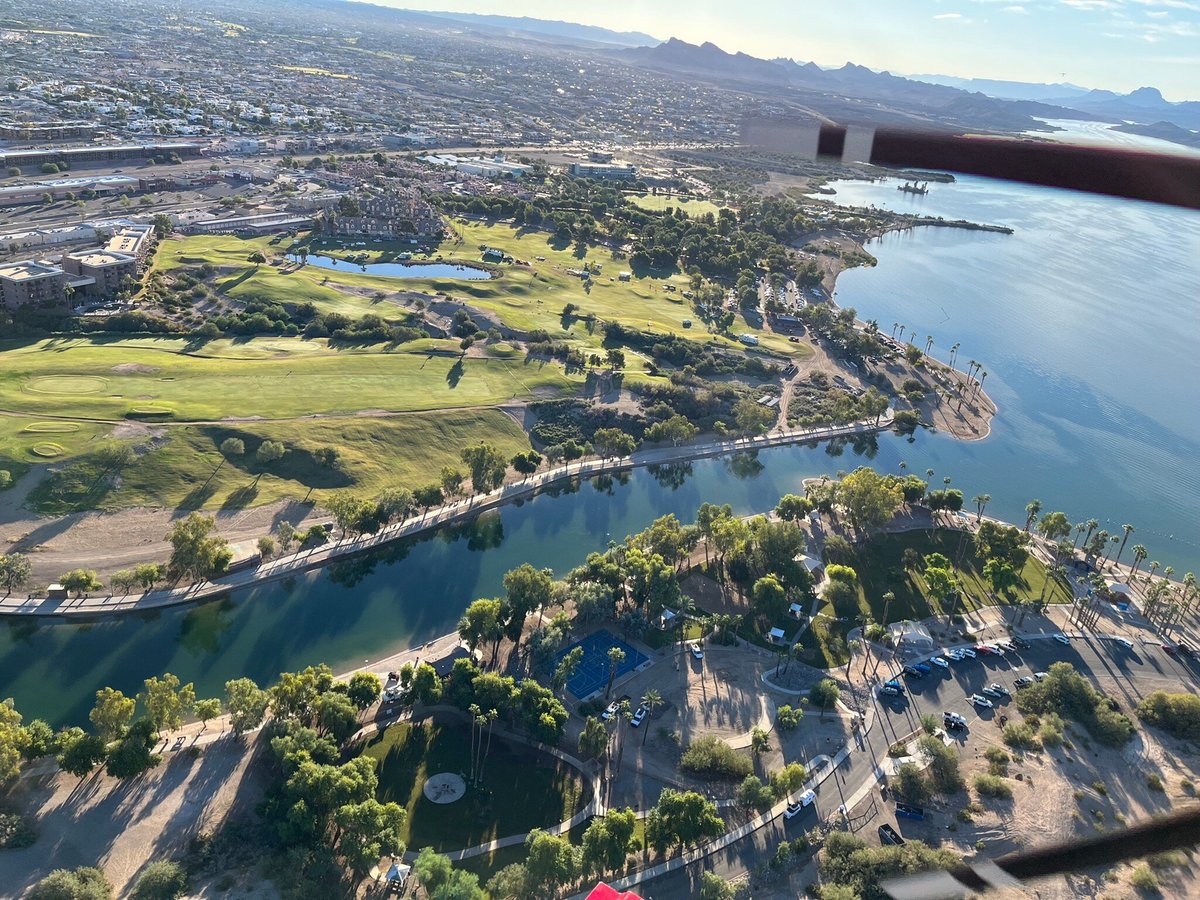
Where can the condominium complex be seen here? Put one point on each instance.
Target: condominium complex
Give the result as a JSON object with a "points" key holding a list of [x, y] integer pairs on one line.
{"points": [[29, 283]]}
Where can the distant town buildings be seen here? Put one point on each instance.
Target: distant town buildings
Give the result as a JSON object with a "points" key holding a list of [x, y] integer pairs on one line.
{"points": [[74, 156], [47, 131], [406, 215]]}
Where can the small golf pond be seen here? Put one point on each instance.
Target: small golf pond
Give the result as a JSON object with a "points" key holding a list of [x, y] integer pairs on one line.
{"points": [[523, 788], [403, 270]]}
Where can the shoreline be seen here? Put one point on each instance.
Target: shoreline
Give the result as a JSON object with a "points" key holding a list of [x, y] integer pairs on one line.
{"points": [[111, 606], [989, 408]]}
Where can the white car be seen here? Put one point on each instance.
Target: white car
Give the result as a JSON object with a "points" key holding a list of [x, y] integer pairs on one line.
{"points": [[956, 655], [1125, 642], [610, 710], [996, 648], [968, 652], [793, 810], [941, 663], [1062, 639], [1040, 675], [996, 689], [638, 716], [695, 650], [980, 700]]}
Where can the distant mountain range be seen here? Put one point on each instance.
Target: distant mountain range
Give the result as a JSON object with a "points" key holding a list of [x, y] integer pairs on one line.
{"points": [[1007, 90], [897, 100], [568, 30]]}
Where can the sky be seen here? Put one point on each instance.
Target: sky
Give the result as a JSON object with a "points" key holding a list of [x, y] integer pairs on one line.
{"points": [[1118, 45]]}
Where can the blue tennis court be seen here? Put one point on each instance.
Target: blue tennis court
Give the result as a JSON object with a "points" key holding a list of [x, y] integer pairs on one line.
{"points": [[592, 674]]}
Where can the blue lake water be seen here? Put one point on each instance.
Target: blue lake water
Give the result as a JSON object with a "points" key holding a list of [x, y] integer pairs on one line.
{"points": [[1085, 320], [402, 270]]}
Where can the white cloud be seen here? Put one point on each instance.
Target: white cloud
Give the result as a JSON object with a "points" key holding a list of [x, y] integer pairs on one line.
{"points": [[1090, 5], [1015, 9], [944, 16]]}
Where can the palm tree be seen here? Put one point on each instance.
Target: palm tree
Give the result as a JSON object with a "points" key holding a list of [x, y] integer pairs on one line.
{"points": [[1128, 529], [652, 700], [616, 656], [1112, 541], [1154, 566], [1139, 554], [760, 743], [895, 325], [1079, 526], [928, 342], [981, 501], [1032, 509], [1092, 525], [953, 354]]}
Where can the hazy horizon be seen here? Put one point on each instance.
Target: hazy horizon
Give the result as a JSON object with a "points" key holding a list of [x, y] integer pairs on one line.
{"points": [[1117, 45]]}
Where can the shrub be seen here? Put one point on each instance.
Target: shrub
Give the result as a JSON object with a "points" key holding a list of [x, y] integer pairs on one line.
{"points": [[1020, 735], [1100, 788], [1168, 859], [1176, 714], [1144, 880], [788, 717], [713, 758], [1188, 787], [997, 761], [1154, 782], [993, 786], [161, 880], [911, 784], [1065, 692]]}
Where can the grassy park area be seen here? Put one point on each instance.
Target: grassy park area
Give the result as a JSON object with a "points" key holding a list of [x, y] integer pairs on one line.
{"points": [[522, 789], [659, 202]]}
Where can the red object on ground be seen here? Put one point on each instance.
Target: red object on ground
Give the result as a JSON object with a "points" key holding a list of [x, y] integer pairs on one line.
{"points": [[603, 892]]}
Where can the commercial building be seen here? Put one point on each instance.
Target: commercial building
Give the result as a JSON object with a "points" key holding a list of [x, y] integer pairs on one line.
{"points": [[263, 224], [131, 240], [100, 154], [496, 167], [47, 131], [603, 171], [99, 273], [59, 188], [29, 283]]}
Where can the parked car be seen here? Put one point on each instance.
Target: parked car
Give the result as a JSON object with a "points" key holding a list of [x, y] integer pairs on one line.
{"points": [[638, 716], [1039, 675], [1062, 639], [980, 700], [1023, 681], [953, 720], [696, 651], [1020, 642], [940, 663], [913, 672], [923, 668], [890, 690], [793, 810], [1125, 642], [956, 655], [610, 710], [1007, 646], [996, 689], [889, 835], [895, 683], [1171, 649], [996, 649], [1185, 649], [968, 652], [983, 649]]}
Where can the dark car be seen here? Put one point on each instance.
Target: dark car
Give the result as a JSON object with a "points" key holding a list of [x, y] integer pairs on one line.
{"points": [[913, 672], [1020, 642], [889, 835]]}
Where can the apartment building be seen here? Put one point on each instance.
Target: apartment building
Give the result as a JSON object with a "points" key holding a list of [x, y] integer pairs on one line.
{"points": [[29, 283], [99, 273]]}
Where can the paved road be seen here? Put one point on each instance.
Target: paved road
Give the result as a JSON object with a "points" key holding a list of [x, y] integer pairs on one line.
{"points": [[1125, 674]]}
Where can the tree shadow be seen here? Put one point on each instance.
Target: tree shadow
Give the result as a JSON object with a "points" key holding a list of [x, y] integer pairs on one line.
{"points": [[454, 376], [241, 497]]}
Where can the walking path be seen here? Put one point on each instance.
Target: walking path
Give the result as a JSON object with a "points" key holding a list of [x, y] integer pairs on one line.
{"points": [[283, 567]]}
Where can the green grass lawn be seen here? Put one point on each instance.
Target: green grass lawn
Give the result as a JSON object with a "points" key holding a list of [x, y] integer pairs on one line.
{"points": [[185, 468], [522, 788], [273, 378], [880, 569], [652, 203]]}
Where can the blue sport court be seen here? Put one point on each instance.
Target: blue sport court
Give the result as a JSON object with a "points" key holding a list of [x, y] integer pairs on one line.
{"points": [[592, 674]]}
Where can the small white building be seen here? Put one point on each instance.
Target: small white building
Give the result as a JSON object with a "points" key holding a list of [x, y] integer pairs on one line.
{"points": [[812, 565], [666, 619], [777, 636], [796, 611]]}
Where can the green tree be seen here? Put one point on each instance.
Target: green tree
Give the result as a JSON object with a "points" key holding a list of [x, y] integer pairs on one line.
{"points": [[149, 574], [793, 507], [81, 581], [552, 862], [112, 713], [195, 551], [1032, 509], [15, 570], [940, 583], [337, 716], [131, 756], [232, 446], [788, 780], [81, 753], [911, 784], [510, 883], [770, 599], [452, 481], [593, 740], [487, 466], [166, 701], [1000, 573], [607, 841], [161, 880], [432, 869], [714, 887], [677, 429], [206, 710], [943, 764], [481, 624], [247, 704], [427, 687], [824, 695], [753, 418], [369, 830], [681, 819], [613, 442], [870, 499], [363, 689], [269, 452]]}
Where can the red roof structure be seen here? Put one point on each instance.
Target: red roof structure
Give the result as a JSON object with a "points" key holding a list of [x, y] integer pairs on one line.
{"points": [[603, 892]]}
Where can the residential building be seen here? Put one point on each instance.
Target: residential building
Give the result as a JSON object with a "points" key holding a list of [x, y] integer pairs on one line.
{"points": [[47, 131], [29, 283], [131, 240], [390, 217]]}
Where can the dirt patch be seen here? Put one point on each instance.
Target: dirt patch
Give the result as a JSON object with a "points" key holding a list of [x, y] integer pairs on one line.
{"points": [[134, 369], [122, 825]]}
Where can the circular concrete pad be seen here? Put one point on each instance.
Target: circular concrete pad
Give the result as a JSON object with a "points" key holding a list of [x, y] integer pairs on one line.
{"points": [[445, 787]]}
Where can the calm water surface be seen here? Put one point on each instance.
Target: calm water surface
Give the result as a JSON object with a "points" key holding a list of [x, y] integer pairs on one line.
{"points": [[1085, 320], [402, 270]]}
